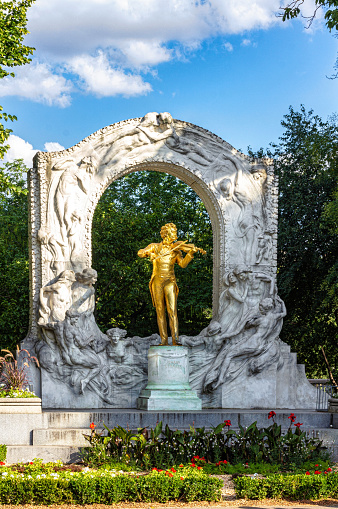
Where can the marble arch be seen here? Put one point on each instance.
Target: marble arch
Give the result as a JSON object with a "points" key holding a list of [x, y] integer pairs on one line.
{"points": [[81, 366]]}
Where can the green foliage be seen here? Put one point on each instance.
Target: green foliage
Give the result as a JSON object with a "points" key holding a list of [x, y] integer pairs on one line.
{"points": [[128, 217], [3, 452], [14, 266], [293, 10], [162, 447], [13, 375], [104, 487], [15, 393], [307, 165], [13, 21], [293, 487]]}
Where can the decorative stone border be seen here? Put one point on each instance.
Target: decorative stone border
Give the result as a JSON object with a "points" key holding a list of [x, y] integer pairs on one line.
{"points": [[20, 406]]}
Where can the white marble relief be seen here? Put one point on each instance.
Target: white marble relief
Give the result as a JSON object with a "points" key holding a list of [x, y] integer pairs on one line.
{"points": [[96, 369]]}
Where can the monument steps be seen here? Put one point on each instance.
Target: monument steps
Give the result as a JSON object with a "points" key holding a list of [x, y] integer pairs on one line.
{"points": [[58, 435], [26, 453], [72, 437]]}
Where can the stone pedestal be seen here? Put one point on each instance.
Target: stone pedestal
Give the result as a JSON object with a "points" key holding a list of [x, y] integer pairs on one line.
{"points": [[168, 381]]}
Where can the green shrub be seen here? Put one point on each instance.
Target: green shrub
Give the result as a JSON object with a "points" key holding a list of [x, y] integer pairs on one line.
{"points": [[106, 487], [3, 452], [293, 487]]}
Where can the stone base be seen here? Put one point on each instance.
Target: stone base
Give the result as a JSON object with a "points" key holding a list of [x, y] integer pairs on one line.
{"points": [[157, 400], [168, 381]]}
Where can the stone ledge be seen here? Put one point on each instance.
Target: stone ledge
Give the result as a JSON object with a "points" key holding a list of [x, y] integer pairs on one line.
{"points": [[20, 406]]}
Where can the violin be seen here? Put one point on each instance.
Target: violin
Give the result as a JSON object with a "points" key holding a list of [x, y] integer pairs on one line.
{"points": [[183, 246]]}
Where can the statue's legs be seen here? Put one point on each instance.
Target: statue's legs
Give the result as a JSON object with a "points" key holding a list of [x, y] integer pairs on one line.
{"points": [[158, 296], [171, 301]]}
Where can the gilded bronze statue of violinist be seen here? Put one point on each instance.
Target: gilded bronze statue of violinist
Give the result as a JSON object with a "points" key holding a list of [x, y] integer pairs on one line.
{"points": [[163, 286]]}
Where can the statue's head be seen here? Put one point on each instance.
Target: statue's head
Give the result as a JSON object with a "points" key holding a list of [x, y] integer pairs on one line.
{"points": [[169, 231], [265, 305], [165, 118], [68, 275], [258, 171], [88, 275], [150, 119]]}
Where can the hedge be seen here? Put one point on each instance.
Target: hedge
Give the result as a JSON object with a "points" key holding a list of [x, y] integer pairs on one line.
{"points": [[106, 487], [293, 487]]}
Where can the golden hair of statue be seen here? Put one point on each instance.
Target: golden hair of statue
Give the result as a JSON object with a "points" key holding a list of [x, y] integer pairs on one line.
{"points": [[163, 286]]}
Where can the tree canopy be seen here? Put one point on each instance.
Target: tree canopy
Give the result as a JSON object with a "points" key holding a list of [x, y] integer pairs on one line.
{"points": [[13, 53], [306, 161]]}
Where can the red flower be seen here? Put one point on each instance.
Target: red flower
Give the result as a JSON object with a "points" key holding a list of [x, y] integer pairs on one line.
{"points": [[181, 466], [307, 473], [225, 462], [329, 469], [227, 423], [2, 463], [154, 469], [196, 458], [181, 478], [271, 414], [317, 472], [317, 465], [193, 465], [298, 424], [199, 468], [173, 470], [159, 470], [92, 425], [170, 475], [31, 463], [326, 473], [292, 417]]}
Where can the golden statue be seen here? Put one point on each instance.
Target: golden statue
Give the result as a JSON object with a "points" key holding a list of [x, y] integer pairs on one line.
{"points": [[163, 286]]}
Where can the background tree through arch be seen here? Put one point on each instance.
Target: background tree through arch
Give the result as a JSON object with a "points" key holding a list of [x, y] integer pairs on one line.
{"points": [[128, 217]]}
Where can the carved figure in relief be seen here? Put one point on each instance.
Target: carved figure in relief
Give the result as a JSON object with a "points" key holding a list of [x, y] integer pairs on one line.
{"points": [[137, 140], [76, 351], [264, 248], [72, 180], [256, 347], [55, 246], [260, 286], [163, 286], [232, 302], [56, 299]]}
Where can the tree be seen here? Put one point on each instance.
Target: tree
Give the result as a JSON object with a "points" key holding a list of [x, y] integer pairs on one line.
{"points": [[128, 217], [14, 266], [307, 165], [13, 52]]}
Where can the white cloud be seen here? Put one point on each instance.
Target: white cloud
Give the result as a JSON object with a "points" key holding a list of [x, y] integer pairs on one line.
{"points": [[228, 46], [99, 78], [21, 149], [106, 45], [38, 83], [246, 42], [53, 146], [145, 53]]}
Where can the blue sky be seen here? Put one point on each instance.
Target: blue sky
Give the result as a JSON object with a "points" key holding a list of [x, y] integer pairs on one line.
{"points": [[229, 66]]}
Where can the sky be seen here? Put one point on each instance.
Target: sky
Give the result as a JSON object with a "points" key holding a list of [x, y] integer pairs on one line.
{"points": [[230, 66]]}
